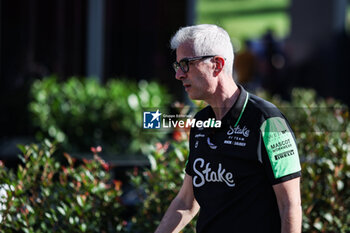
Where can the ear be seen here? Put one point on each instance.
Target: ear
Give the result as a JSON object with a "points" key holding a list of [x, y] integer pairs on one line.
{"points": [[219, 65]]}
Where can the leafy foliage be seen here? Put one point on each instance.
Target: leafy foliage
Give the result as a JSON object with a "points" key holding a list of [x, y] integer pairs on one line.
{"points": [[81, 113], [161, 183], [323, 136], [44, 196]]}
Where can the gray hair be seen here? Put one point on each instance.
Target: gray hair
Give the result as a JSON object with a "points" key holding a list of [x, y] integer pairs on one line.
{"points": [[206, 39]]}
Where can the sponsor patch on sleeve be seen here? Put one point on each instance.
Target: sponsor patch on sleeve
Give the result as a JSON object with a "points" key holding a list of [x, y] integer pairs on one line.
{"points": [[281, 147]]}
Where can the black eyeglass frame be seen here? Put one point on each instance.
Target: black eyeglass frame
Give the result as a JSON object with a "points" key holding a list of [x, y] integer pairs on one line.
{"points": [[184, 62]]}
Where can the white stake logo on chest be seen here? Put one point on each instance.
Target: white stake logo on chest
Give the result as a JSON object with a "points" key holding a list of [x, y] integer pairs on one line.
{"points": [[207, 175]]}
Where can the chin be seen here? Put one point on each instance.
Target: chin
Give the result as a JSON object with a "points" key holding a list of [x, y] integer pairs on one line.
{"points": [[193, 97]]}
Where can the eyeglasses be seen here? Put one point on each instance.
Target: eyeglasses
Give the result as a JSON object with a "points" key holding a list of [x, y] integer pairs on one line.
{"points": [[184, 62]]}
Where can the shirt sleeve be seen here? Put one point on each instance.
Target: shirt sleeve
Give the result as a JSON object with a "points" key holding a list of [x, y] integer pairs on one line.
{"points": [[280, 153]]}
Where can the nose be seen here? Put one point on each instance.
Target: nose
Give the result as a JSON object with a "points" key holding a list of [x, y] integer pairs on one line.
{"points": [[180, 75]]}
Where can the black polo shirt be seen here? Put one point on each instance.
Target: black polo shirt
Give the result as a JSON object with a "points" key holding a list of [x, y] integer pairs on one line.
{"points": [[234, 167]]}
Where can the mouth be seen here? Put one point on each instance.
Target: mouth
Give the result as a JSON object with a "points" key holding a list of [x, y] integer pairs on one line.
{"points": [[187, 86]]}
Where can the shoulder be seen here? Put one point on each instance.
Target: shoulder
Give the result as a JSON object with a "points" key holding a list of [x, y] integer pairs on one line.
{"points": [[270, 118], [262, 108]]}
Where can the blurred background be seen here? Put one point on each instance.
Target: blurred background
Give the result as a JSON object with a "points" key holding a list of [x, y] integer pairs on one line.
{"points": [[279, 44], [81, 72]]}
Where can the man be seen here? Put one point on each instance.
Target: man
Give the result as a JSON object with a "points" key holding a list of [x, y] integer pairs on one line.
{"points": [[244, 176]]}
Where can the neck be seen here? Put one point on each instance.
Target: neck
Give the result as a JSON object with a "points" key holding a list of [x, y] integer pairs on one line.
{"points": [[224, 97]]}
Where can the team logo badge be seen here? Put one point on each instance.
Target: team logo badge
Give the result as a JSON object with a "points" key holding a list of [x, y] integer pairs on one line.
{"points": [[240, 131]]}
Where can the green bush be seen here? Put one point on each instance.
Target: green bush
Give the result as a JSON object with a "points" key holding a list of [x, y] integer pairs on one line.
{"points": [[45, 196], [80, 113], [160, 184], [323, 136]]}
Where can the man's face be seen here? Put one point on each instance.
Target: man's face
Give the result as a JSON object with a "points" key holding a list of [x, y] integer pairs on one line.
{"points": [[199, 82]]}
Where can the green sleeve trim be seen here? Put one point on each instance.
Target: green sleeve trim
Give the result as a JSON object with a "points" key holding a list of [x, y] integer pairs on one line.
{"points": [[280, 146], [245, 104]]}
